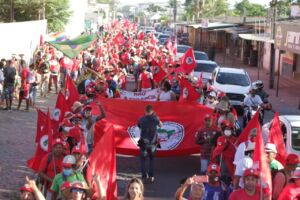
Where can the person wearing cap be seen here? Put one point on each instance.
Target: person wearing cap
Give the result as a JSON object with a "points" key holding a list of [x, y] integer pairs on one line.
{"points": [[67, 174], [79, 190], [271, 155], [88, 123], [240, 151], [206, 137], [215, 188], [250, 190], [197, 189], [80, 158], [30, 191], [51, 165], [281, 178], [145, 80], [246, 162], [211, 100], [223, 113], [65, 189], [76, 107], [225, 150], [292, 190]]}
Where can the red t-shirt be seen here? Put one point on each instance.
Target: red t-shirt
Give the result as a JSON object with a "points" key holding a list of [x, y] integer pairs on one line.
{"points": [[57, 162], [146, 80], [75, 65], [290, 192], [66, 63], [241, 194]]}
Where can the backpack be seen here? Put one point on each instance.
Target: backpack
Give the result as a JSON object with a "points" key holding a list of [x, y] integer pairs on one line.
{"points": [[274, 172], [45, 67], [81, 87]]}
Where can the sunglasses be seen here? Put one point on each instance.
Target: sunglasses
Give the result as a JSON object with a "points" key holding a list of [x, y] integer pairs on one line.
{"points": [[77, 191]]}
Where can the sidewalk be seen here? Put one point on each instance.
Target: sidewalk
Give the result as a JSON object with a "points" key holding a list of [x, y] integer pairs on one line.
{"points": [[288, 99]]}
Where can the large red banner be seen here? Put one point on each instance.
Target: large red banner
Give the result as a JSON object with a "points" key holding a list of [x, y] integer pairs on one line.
{"points": [[177, 136]]}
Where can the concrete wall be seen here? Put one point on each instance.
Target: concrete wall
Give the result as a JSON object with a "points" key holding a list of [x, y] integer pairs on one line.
{"points": [[21, 38]]}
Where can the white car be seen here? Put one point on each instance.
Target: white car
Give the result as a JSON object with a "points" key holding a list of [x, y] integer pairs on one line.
{"points": [[206, 67], [181, 49], [234, 82], [290, 130]]}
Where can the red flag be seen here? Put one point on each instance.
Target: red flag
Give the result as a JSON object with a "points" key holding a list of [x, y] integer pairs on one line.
{"points": [[41, 40], [253, 123], [158, 73], [187, 91], [71, 92], [102, 161], [276, 137], [153, 40], [177, 136], [175, 47], [41, 121], [200, 81], [119, 39], [141, 35], [43, 143], [188, 62], [48, 129], [61, 107], [169, 44], [261, 163]]}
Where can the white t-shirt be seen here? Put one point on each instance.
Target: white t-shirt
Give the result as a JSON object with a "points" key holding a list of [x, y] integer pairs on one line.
{"points": [[252, 101], [242, 165], [240, 153]]}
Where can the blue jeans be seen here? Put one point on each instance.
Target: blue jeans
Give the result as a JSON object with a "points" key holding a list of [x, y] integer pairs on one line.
{"points": [[147, 151]]}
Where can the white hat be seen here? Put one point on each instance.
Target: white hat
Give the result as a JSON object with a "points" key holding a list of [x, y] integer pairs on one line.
{"points": [[212, 94], [76, 105], [250, 146], [69, 160], [270, 148]]}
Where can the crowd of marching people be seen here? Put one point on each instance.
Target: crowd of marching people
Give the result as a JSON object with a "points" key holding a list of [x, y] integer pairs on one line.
{"points": [[227, 169]]}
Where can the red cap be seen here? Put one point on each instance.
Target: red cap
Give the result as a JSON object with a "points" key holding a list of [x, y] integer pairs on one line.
{"points": [[65, 185], [292, 159], [79, 116], [76, 149], [226, 123], [26, 188], [221, 94], [87, 107], [214, 167], [251, 172], [207, 116], [57, 141]]}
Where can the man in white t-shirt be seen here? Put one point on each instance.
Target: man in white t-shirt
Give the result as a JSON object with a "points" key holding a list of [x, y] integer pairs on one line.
{"points": [[242, 165], [252, 100]]}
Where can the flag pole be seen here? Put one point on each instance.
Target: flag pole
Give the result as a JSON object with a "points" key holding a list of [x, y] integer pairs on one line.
{"points": [[260, 187]]}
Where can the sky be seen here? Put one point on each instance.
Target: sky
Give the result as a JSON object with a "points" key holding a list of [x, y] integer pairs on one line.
{"points": [[231, 2]]}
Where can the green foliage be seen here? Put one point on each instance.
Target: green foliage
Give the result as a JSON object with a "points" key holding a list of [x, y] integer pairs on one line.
{"points": [[205, 8], [283, 8], [152, 8], [104, 1], [57, 12], [250, 9]]}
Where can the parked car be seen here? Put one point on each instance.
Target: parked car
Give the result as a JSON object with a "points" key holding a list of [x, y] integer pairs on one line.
{"points": [[181, 49], [200, 55], [290, 126], [206, 67], [234, 82]]}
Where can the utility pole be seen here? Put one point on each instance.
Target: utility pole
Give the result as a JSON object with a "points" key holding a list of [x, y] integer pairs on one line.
{"points": [[12, 14], [272, 63]]}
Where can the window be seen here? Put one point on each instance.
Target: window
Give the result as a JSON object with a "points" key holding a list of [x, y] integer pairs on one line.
{"points": [[296, 138], [200, 56], [232, 79], [205, 67]]}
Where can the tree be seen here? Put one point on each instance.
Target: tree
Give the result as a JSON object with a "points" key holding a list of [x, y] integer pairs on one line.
{"points": [[174, 4], [56, 12], [250, 9], [205, 8], [283, 8], [152, 8]]}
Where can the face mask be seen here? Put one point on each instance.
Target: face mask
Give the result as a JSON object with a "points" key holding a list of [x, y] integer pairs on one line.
{"points": [[67, 172], [227, 132]]}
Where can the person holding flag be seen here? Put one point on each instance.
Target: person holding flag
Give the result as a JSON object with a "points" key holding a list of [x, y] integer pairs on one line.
{"points": [[51, 165], [292, 190]]}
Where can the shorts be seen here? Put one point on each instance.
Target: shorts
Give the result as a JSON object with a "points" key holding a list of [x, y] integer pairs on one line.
{"points": [[8, 92]]}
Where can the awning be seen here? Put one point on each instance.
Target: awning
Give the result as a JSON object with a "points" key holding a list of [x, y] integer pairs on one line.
{"points": [[213, 25], [257, 37]]}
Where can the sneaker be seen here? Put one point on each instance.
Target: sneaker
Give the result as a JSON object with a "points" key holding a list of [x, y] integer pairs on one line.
{"points": [[151, 179]]}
